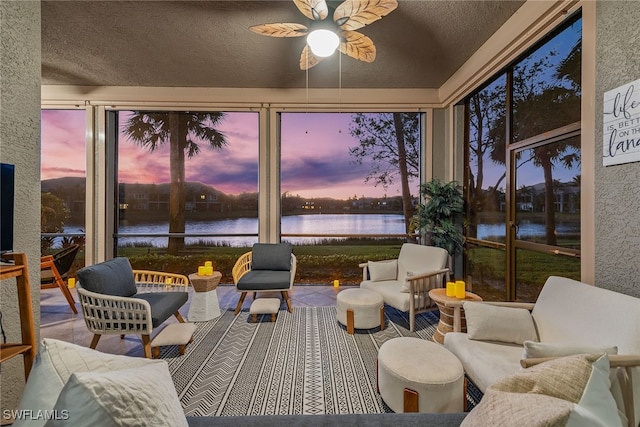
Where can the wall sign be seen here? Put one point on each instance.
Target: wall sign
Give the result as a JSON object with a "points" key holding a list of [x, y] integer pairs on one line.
{"points": [[621, 136]]}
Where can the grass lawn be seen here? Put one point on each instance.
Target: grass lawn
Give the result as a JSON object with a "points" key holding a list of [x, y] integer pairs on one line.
{"points": [[317, 264]]}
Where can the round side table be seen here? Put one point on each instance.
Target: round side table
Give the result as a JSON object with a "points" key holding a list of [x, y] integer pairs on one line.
{"points": [[204, 301], [451, 313]]}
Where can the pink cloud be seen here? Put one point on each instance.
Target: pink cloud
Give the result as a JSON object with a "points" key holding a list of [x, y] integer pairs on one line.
{"points": [[315, 155]]}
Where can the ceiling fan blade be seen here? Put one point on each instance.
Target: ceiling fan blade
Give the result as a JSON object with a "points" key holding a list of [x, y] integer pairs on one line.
{"points": [[358, 46], [308, 59], [283, 29], [354, 14], [316, 10]]}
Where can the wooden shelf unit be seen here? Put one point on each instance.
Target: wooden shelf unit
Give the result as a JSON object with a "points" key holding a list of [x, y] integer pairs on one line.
{"points": [[27, 348]]}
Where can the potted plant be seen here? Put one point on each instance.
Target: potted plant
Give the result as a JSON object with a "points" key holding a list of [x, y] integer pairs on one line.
{"points": [[441, 216]]}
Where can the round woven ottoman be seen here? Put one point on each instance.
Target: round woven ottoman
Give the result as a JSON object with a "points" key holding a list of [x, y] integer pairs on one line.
{"points": [[416, 375], [360, 309]]}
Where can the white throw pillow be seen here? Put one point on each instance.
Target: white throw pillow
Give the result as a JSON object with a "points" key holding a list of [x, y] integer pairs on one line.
{"points": [[571, 391], [55, 362], [534, 349], [143, 396], [383, 270], [486, 322]]}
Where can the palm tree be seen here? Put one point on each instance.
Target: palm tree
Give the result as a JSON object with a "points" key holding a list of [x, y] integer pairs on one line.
{"points": [[184, 131]]}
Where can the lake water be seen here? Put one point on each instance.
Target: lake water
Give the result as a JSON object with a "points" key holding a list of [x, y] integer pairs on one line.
{"points": [[305, 224], [295, 224]]}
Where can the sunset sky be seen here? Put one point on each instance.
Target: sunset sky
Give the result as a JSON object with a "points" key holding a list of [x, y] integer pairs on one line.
{"points": [[315, 156]]}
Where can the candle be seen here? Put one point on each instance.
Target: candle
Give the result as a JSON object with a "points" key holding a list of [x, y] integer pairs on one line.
{"points": [[208, 270], [460, 294], [201, 270], [71, 282], [451, 289], [168, 281], [336, 283], [208, 264]]}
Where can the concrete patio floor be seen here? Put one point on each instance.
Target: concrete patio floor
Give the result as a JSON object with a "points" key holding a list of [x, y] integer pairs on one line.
{"points": [[59, 322]]}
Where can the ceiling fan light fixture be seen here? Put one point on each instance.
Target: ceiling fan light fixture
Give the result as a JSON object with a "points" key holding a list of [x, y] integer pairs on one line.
{"points": [[323, 42]]}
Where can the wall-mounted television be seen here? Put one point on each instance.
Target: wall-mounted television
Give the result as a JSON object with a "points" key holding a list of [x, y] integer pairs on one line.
{"points": [[7, 192]]}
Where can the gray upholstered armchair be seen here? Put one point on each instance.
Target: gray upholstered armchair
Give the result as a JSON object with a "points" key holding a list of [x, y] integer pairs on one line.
{"points": [[269, 267], [117, 300]]}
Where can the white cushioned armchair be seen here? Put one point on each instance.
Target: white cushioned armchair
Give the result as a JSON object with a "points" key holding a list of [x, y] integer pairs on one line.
{"points": [[405, 282], [117, 300]]}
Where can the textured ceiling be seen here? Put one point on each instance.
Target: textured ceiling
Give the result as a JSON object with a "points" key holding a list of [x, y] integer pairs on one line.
{"points": [[208, 44]]}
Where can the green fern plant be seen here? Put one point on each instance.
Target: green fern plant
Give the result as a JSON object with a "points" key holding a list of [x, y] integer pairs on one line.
{"points": [[442, 215]]}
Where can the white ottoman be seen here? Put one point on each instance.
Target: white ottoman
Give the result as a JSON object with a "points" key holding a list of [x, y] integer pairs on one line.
{"points": [[264, 306], [179, 334], [360, 308], [416, 375]]}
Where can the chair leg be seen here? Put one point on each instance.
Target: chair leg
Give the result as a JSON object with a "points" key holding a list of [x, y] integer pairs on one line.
{"points": [[240, 301], [94, 341], [146, 346], [65, 290], [179, 317], [285, 296]]}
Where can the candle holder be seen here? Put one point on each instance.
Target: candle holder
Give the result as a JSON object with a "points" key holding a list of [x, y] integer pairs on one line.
{"points": [[201, 270], [460, 291], [336, 283], [208, 270], [451, 289]]}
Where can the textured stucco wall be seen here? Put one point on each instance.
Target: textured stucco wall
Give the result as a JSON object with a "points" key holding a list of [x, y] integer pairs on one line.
{"points": [[617, 192], [20, 145]]}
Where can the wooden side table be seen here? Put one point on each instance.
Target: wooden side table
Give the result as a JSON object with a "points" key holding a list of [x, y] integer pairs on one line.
{"points": [[28, 346], [204, 301], [451, 313]]}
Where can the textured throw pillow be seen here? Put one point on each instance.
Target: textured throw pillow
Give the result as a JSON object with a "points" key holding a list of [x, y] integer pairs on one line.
{"points": [[534, 349], [570, 391], [383, 270], [55, 362], [143, 396], [486, 322]]}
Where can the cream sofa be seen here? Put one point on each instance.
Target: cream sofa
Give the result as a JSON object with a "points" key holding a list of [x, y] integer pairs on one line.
{"points": [[404, 283], [567, 313]]}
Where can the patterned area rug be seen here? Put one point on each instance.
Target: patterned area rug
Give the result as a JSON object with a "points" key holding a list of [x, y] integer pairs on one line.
{"points": [[304, 363]]}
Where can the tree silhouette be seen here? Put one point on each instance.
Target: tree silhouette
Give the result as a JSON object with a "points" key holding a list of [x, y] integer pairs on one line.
{"points": [[53, 214], [184, 131], [392, 142]]}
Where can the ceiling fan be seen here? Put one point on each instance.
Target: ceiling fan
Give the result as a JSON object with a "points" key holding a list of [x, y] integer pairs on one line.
{"points": [[348, 16]]}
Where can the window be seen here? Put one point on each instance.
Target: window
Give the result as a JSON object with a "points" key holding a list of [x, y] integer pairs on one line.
{"points": [[187, 182], [342, 186], [63, 181], [523, 180]]}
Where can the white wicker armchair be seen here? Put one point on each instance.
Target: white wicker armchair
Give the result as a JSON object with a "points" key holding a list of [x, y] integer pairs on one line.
{"points": [[116, 300]]}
